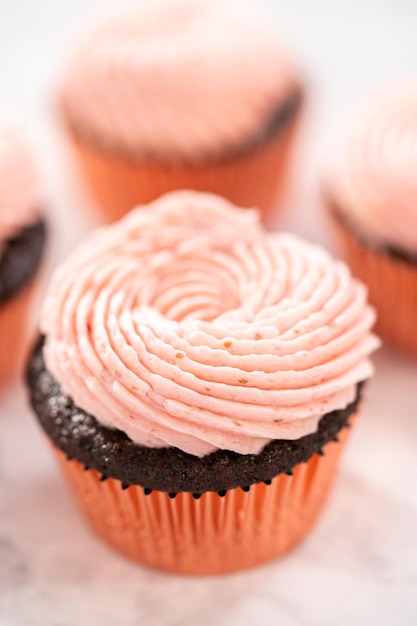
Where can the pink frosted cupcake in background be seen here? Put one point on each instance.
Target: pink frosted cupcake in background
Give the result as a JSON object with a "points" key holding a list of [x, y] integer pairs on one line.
{"points": [[372, 197], [22, 239], [178, 94], [204, 373]]}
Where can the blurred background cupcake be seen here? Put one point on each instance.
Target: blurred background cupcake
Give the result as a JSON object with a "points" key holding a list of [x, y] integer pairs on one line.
{"points": [[181, 94], [371, 193], [22, 239], [204, 373]]}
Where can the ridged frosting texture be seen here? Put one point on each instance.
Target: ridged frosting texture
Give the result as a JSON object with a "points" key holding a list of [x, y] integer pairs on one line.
{"points": [[176, 79], [186, 325], [374, 182], [19, 188]]}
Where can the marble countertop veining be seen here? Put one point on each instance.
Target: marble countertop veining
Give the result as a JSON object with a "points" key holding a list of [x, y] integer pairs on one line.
{"points": [[359, 566]]}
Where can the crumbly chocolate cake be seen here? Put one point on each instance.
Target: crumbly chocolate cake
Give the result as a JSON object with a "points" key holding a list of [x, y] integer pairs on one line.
{"points": [[20, 258], [110, 452]]}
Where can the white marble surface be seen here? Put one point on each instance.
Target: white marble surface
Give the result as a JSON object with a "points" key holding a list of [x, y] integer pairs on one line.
{"points": [[359, 566]]}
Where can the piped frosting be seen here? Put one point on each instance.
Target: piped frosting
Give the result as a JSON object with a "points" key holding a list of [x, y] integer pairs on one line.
{"points": [[374, 181], [176, 79], [186, 325], [19, 187]]}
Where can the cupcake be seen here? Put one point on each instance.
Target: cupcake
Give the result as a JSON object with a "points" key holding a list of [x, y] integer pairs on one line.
{"points": [[196, 378], [181, 94], [371, 194], [22, 239]]}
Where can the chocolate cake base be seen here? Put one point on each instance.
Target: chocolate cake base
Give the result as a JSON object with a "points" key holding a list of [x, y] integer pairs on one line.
{"points": [[20, 258], [110, 452]]}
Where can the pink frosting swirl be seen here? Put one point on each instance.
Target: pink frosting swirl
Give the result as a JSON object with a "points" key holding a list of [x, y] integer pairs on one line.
{"points": [[374, 181], [186, 325], [19, 189], [176, 79]]}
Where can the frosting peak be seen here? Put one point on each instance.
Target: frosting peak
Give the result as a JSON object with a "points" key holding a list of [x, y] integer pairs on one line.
{"points": [[374, 181], [19, 190], [186, 325], [176, 79]]}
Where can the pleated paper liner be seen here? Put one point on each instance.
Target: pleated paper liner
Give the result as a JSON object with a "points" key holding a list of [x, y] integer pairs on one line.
{"points": [[16, 328], [211, 534], [392, 284], [255, 178]]}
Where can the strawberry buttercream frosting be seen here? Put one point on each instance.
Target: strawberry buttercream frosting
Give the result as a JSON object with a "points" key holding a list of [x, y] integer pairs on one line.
{"points": [[176, 79], [19, 190], [186, 324], [374, 182]]}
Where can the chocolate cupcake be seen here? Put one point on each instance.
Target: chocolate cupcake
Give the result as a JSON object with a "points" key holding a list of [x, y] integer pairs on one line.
{"points": [[22, 238], [371, 194], [196, 377], [186, 94]]}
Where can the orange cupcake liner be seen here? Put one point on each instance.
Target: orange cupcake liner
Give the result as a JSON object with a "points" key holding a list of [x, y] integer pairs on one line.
{"points": [[255, 178], [392, 285], [212, 534], [16, 326]]}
